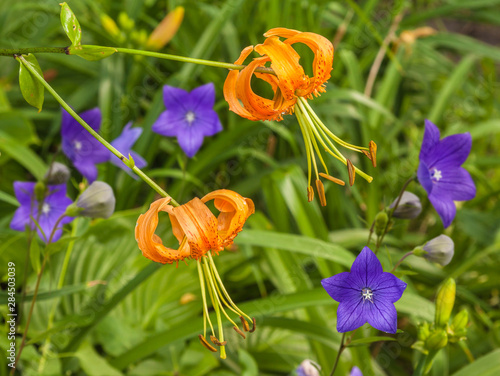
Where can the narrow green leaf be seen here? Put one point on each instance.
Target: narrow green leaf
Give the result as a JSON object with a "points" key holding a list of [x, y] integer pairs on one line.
{"points": [[368, 340], [71, 25], [24, 156], [93, 364], [35, 255], [91, 53], [488, 365], [8, 199], [47, 295], [31, 88], [297, 244]]}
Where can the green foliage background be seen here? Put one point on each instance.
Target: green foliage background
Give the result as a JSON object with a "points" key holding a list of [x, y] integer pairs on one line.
{"points": [[120, 314]]}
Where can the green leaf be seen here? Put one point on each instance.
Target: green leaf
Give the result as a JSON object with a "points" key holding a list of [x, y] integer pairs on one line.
{"points": [[8, 199], [47, 295], [31, 88], [91, 53], [368, 340], [93, 364], [23, 155], [35, 255], [297, 244], [71, 25], [488, 365]]}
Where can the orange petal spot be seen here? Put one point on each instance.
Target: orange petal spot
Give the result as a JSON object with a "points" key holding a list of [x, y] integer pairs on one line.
{"points": [[234, 211], [149, 243]]}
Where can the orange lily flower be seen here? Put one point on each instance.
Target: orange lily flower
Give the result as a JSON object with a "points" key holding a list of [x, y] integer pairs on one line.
{"points": [[200, 234], [292, 87]]}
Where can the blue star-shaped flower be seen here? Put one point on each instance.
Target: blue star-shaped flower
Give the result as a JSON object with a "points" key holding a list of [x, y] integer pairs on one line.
{"points": [[45, 213], [80, 146], [366, 294], [189, 116], [123, 143], [440, 173]]}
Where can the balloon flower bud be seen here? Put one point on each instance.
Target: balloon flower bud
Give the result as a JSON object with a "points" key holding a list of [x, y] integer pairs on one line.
{"points": [[437, 340], [97, 201], [308, 368], [57, 174], [445, 300], [40, 191], [409, 206], [381, 220], [439, 249]]}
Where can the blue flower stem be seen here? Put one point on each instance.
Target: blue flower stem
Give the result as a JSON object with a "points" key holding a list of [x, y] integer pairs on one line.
{"points": [[341, 349], [127, 162], [390, 212], [35, 293]]}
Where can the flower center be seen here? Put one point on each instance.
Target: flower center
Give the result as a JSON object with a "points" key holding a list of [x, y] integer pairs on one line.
{"points": [[367, 294], [45, 208], [190, 117], [436, 175], [78, 145]]}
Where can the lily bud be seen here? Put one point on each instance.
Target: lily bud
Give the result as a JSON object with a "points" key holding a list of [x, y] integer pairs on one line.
{"points": [[57, 174], [40, 191], [460, 320], [381, 220], [166, 29], [409, 206], [445, 300], [308, 368], [110, 26], [437, 340], [97, 201], [439, 249]]}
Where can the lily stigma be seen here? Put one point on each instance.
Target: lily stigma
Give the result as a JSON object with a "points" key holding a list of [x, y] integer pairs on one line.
{"points": [[292, 87], [201, 235]]}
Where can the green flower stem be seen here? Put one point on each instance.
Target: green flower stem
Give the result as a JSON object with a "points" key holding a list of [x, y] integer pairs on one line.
{"points": [[126, 161], [184, 59], [341, 349], [401, 260], [64, 50], [32, 50]]}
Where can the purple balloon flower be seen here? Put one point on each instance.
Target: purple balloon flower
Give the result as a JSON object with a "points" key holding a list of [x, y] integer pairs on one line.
{"points": [[80, 146], [45, 213], [366, 294], [123, 143], [355, 371], [440, 173], [189, 116]]}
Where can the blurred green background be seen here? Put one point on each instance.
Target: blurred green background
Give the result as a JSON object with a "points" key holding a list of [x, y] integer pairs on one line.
{"points": [[119, 314]]}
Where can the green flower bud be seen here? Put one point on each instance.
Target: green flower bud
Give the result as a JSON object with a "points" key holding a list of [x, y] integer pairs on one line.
{"points": [[409, 206], [437, 340], [57, 174], [381, 220], [97, 201], [424, 331], [460, 320], [40, 191], [125, 21], [445, 300]]}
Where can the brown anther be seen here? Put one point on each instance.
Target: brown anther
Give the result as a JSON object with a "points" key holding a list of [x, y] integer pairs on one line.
{"points": [[321, 192], [367, 153], [244, 322], [239, 332], [205, 343], [373, 153], [351, 171], [310, 193], [254, 325], [215, 341], [331, 178]]}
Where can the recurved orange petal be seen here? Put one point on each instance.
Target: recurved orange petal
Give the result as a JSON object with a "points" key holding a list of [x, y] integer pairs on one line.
{"points": [[149, 243], [322, 64], [230, 88], [199, 226], [285, 63], [281, 32], [234, 211]]}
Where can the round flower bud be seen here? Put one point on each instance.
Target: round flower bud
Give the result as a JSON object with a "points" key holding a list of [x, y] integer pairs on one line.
{"points": [[409, 206], [437, 340], [308, 368], [381, 220], [439, 249], [57, 174], [97, 201], [445, 300]]}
